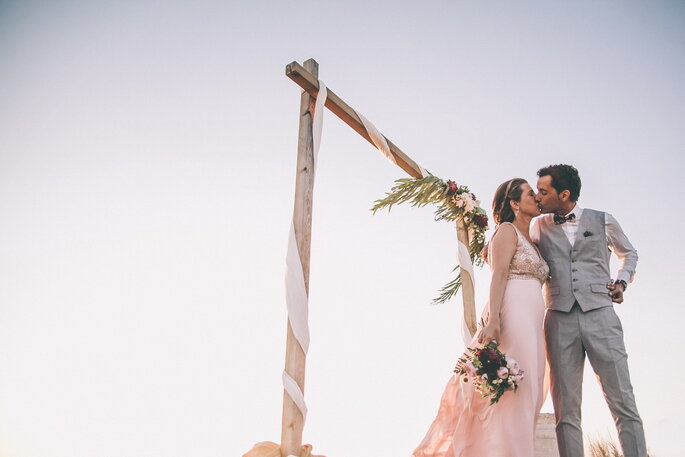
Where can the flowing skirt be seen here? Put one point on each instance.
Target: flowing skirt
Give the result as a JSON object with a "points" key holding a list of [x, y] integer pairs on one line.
{"points": [[466, 426]]}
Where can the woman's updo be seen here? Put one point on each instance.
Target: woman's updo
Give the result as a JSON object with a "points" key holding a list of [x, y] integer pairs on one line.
{"points": [[506, 192]]}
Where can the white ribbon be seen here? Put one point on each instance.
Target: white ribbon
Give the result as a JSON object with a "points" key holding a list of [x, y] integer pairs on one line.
{"points": [[377, 138], [464, 258], [465, 265], [317, 123], [290, 386], [466, 336], [381, 143], [295, 293], [297, 301]]}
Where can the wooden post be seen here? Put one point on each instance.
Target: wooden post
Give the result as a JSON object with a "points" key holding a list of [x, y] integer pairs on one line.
{"points": [[295, 358], [468, 292]]}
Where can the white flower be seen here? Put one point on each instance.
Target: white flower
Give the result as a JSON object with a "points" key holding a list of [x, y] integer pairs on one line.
{"points": [[515, 379], [502, 373], [513, 366]]}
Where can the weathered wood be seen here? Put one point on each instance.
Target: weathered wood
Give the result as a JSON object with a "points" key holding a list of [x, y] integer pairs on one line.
{"points": [[295, 358], [468, 292], [310, 84]]}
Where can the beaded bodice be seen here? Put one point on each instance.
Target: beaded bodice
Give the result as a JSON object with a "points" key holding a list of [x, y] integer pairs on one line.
{"points": [[527, 262]]}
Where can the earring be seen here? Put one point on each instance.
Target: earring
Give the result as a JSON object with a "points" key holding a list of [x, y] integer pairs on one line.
{"points": [[516, 213]]}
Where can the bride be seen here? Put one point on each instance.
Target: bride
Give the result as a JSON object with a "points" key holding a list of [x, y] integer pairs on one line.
{"points": [[466, 426]]}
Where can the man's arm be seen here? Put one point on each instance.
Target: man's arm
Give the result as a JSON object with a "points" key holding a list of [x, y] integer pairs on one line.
{"points": [[534, 230], [624, 250]]}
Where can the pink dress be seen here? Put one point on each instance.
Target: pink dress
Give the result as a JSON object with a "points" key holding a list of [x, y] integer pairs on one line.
{"points": [[466, 426]]}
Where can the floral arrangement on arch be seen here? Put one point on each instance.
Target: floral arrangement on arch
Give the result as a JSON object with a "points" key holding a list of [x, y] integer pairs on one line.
{"points": [[454, 203]]}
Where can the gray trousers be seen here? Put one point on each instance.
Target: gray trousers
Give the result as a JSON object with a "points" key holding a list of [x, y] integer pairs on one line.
{"points": [[597, 333]]}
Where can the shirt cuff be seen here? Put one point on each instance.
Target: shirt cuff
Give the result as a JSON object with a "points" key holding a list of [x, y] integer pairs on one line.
{"points": [[624, 276]]}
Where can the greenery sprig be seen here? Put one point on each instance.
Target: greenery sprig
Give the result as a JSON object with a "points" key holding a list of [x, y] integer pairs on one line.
{"points": [[454, 203]]}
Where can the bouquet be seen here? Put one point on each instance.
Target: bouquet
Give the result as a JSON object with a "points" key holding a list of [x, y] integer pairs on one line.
{"points": [[492, 372]]}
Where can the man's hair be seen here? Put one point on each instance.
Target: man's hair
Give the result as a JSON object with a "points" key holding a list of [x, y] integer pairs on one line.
{"points": [[564, 177]]}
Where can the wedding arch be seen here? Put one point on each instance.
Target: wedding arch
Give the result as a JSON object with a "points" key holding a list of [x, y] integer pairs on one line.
{"points": [[315, 96]]}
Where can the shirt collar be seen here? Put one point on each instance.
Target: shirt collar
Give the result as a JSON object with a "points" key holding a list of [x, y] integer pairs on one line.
{"points": [[577, 210]]}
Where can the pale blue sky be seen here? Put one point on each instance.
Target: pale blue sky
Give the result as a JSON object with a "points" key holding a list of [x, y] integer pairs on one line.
{"points": [[147, 156]]}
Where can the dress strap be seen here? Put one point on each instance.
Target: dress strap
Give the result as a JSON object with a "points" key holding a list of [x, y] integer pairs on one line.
{"points": [[518, 232]]}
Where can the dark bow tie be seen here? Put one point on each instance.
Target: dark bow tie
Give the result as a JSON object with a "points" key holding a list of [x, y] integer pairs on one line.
{"points": [[559, 219]]}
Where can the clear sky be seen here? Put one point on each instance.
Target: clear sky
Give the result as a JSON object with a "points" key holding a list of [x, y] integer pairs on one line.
{"points": [[147, 159]]}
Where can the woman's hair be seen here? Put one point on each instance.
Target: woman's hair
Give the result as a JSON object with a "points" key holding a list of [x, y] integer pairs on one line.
{"points": [[506, 192]]}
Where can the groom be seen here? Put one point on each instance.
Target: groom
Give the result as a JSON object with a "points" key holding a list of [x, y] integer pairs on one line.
{"points": [[576, 243]]}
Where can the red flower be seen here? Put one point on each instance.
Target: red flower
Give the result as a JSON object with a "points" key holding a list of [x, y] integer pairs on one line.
{"points": [[481, 220], [489, 355], [452, 187]]}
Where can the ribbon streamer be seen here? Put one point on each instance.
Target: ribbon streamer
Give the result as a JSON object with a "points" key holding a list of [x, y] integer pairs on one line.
{"points": [[317, 122], [290, 386], [377, 138], [464, 258], [381, 143], [465, 265], [296, 298]]}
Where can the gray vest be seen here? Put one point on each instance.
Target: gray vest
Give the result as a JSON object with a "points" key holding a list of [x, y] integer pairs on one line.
{"points": [[579, 272]]}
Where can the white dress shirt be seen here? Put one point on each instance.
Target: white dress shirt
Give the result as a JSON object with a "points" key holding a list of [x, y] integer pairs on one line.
{"points": [[617, 240]]}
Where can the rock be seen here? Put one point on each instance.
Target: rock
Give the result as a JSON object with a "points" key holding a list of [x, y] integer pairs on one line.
{"points": [[546, 437]]}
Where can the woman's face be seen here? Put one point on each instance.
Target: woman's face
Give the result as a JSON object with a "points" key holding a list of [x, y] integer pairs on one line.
{"points": [[528, 206]]}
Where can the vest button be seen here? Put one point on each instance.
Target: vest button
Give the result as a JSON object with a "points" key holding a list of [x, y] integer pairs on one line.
{"points": [[574, 270], [575, 290], [575, 279]]}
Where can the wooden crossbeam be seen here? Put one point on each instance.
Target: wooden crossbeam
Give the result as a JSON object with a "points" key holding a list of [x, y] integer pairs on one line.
{"points": [[310, 84]]}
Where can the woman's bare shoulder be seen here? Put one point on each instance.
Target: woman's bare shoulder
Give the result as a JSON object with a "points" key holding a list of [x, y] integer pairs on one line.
{"points": [[506, 230]]}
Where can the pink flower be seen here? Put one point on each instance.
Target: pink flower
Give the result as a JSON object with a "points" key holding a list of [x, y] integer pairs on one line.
{"points": [[513, 366], [515, 379], [502, 373]]}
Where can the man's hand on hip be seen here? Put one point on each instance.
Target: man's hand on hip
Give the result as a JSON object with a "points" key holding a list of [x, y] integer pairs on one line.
{"points": [[616, 292]]}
